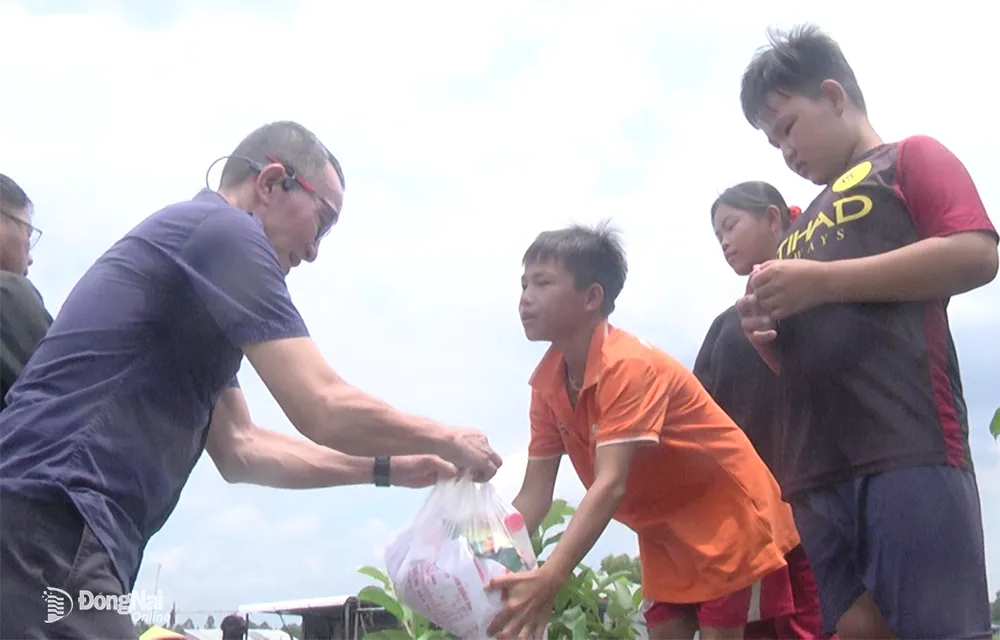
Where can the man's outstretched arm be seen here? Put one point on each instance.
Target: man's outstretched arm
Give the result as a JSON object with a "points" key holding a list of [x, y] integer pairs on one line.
{"points": [[331, 412], [244, 452], [233, 270]]}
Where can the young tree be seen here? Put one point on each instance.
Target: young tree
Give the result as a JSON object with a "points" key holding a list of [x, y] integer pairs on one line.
{"points": [[623, 562]]}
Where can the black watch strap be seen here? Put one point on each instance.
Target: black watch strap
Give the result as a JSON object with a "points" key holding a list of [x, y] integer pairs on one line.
{"points": [[382, 471]]}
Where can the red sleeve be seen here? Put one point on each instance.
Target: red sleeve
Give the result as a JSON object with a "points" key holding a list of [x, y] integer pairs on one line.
{"points": [[938, 191], [546, 442]]}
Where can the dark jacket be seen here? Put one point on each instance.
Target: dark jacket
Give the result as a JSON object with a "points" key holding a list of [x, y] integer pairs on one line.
{"points": [[23, 323]]}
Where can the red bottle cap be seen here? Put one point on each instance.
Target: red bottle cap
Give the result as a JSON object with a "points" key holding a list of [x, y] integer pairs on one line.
{"points": [[514, 522]]}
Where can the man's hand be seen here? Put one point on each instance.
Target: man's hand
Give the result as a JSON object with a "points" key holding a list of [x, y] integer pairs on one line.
{"points": [[530, 599], [786, 287], [470, 450], [417, 472]]}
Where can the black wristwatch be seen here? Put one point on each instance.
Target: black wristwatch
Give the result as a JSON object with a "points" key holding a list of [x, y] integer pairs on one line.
{"points": [[382, 471]]}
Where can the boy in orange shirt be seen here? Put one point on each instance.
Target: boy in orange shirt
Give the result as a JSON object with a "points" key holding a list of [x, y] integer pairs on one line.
{"points": [[653, 449]]}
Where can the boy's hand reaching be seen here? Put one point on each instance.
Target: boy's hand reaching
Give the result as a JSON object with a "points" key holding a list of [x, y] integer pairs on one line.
{"points": [[530, 599]]}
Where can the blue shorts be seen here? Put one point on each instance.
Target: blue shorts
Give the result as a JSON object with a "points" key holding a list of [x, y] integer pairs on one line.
{"points": [[912, 538]]}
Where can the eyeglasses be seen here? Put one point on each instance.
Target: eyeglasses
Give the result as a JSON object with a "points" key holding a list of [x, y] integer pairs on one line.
{"points": [[33, 233], [327, 213]]}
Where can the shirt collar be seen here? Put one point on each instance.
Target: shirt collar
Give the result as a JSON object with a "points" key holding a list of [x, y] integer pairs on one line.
{"points": [[207, 195], [550, 375]]}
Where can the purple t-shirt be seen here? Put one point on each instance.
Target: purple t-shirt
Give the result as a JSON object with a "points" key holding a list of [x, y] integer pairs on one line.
{"points": [[112, 411]]}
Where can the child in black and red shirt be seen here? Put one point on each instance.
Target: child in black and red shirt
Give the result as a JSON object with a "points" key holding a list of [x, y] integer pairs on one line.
{"points": [[852, 315]]}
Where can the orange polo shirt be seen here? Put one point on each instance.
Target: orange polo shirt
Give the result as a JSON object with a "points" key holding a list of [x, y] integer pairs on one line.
{"points": [[707, 511]]}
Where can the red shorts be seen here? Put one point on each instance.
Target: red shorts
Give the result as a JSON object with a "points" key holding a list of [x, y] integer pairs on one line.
{"points": [[806, 621], [769, 602]]}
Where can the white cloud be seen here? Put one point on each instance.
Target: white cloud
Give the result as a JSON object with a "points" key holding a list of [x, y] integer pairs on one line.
{"points": [[509, 477], [375, 533], [464, 129], [169, 559], [237, 520], [300, 526]]}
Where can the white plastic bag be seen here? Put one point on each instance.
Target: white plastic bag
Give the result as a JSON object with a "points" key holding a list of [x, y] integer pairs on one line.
{"points": [[464, 536]]}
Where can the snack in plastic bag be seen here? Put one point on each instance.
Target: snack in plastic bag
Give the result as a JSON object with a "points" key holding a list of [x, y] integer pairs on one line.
{"points": [[464, 536]]}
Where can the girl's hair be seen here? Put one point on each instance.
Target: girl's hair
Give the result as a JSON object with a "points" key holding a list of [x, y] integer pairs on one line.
{"points": [[755, 197]]}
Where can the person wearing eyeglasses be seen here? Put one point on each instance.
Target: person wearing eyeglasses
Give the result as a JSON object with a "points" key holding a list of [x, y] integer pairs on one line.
{"points": [[17, 235], [137, 377], [23, 317]]}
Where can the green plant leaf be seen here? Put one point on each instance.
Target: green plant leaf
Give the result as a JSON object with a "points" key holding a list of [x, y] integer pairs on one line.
{"points": [[570, 614], [614, 577], [624, 632], [619, 602], [421, 625], [575, 621], [378, 596], [995, 425], [536, 544], [587, 577], [388, 634], [562, 601], [623, 597], [375, 574], [590, 600], [550, 541], [557, 515]]}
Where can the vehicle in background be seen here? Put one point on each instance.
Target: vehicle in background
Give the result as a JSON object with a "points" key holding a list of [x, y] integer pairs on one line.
{"points": [[329, 618]]}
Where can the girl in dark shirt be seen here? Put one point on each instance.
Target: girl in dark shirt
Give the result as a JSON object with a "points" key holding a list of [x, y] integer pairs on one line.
{"points": [[749, 221]]}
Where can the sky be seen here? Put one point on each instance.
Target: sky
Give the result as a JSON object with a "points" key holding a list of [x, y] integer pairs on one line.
{"points": [[464, 129]]}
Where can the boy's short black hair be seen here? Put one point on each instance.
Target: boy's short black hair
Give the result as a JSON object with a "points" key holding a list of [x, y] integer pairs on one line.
{"points": [[591, 254], [795, 62]]}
